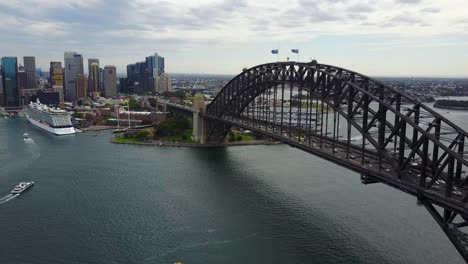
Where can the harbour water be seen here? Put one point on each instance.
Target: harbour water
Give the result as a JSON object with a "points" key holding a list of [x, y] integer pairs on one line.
{"points": [[96, 202]]}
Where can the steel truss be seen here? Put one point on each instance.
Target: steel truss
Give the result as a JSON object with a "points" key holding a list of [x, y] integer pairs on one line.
{"points": [[318, 108]]}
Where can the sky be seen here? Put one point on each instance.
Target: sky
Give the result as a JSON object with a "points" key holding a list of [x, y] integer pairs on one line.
{"points": [[375, 37]]}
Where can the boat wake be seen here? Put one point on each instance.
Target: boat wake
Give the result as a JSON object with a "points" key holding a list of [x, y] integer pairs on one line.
{"points": [[8, 198], [28, 140]]}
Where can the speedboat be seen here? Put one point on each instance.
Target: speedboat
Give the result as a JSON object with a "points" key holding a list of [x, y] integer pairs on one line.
{"points": [[21, 187]]}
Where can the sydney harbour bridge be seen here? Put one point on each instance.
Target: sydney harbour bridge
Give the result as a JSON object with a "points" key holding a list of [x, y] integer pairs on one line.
{"points": [[354, 121]]}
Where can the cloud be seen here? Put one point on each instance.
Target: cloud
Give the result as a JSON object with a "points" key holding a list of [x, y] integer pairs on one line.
{"points": [[409, 1], [405, 18], [431, 10], [122, 31], [361, 8]]}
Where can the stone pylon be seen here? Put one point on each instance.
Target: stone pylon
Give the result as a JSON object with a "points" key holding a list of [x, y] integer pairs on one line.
{"points": [[199, 126]]}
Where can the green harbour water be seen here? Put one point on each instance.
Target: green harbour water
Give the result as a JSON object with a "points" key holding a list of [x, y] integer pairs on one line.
{"points": [[97, 202]]}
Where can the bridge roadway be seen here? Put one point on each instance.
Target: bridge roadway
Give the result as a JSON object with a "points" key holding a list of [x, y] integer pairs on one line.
{"points": [[364, 162]]}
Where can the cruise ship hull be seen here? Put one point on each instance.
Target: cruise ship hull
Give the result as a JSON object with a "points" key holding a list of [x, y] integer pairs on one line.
{"points": [[55, 131]]}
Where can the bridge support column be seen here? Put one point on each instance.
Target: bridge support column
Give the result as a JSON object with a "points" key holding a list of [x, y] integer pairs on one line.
{"points": [[199, 124], [163, 107]]}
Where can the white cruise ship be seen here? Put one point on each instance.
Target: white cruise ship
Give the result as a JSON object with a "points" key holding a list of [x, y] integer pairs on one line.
{"points": [[54, 120]]}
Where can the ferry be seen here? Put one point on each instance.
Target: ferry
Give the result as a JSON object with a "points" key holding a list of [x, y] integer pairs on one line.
{"points": [[21, 187], [53, 120]]}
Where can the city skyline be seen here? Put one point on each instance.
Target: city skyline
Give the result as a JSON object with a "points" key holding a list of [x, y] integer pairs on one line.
{"points": [[377, 38]]}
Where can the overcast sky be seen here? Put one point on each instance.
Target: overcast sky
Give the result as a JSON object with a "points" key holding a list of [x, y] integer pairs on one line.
{"points": [[379, 38]]}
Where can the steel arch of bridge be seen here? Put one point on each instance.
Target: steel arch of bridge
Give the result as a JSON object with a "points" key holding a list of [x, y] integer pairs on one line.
{"points": [[396, 131]]}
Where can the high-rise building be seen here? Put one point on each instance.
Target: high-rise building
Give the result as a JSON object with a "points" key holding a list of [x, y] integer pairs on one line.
{"points": [[156, 65], [22, 79], [90, 70], [101, 81], [142, 77], [110, 81], [59, 91], [123, 86], [94, 76], [165, 83], [157, 84], [30, 69], [81, 86], [73, 67], [10, 81], [39, 73], [56, 78], [1, 87]]}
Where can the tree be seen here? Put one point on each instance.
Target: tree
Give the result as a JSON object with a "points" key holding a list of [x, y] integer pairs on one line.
{"points": [[172, 126], [152, 101], [231, 137], [239, 138], [142, 135], [132, 103]]}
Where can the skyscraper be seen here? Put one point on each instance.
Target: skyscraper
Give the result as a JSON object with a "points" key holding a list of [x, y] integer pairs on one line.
{"points": [[1, 87], [165, 83], [143, 77], [157, 65], [110, 81], [73, 67], [90, 70], [94, 76], [10, 81], [56, 78], [81, 86], [22, 79], [30, 69]]}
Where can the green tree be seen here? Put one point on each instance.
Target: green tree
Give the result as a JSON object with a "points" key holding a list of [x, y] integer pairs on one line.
{"points": [[128, 135], [142, 135], [231, 137], [132, 103], [152, 101], [172, 126]]}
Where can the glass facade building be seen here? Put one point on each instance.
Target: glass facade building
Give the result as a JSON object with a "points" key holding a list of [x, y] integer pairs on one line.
{"points": [[10, 81]]}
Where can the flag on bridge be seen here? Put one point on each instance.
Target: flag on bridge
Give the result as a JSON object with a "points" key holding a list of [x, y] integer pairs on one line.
{"points": [[295, 51], [275, 51]]}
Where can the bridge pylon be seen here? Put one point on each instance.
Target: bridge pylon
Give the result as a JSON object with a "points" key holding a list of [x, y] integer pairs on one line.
{"points": [[199, 124]]}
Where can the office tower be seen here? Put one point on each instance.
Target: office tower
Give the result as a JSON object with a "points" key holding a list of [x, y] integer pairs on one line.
{"points": [[156, 65], [157, 84], [101, 81], [165, 83], [1, 87], [30, 69], [123, 85], [90, 70], [144, 77], [10, 83], [94, 76], [81, 86], [22, 79], [110, 81], [59, 90], [56, 78], [39, 73], [73, 67]]}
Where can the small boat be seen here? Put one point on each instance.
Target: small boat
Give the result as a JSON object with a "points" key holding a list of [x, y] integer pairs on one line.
{"points": [[26, 136], [21, 187]]}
